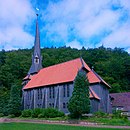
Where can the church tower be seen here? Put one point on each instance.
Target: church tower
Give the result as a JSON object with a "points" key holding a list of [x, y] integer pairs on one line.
{"points": [[36, 57]]}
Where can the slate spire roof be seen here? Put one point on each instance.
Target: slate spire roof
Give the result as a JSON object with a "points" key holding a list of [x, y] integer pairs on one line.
{"points": [[36, 57]]}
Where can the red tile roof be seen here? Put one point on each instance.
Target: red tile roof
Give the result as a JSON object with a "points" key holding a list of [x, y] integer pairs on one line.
{"points": [[94, 78], [92, 94], [121, 100], [60, 73]]}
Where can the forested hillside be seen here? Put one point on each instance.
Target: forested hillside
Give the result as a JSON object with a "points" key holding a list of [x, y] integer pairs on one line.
{"points": [[113, 65]]}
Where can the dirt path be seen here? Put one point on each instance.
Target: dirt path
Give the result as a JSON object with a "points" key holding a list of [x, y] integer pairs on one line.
{"points": [[72, 123]]}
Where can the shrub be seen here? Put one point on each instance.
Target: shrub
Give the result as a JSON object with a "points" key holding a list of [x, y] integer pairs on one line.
{"points": [[1, 114], [100, 114], [117, 114], [26, 113], [50, 113], [11, 116], [40, 115], [36, 112]]}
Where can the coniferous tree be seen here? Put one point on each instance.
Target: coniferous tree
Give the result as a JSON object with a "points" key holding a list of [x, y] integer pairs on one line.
{"points": [[14, 101], [79, 103]]}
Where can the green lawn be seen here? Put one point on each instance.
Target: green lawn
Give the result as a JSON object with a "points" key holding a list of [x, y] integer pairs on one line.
{"points": [[32, 126], [107, 121]]}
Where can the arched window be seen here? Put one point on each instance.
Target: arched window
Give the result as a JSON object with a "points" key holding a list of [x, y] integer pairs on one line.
{"points": [[39, 93], [64, 90], [49, 104], [53, 105], [53, 90], [29, 95], [50, 92], [64, 105], [68, 90], [36, 60]]}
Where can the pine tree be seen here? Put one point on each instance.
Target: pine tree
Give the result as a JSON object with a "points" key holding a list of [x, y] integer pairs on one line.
{"points": [[14, 101], [79, 103]]}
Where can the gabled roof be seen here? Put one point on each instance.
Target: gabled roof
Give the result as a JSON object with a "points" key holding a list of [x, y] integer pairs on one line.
{"points": [[92, 94], [94, 77], [121, 100], [60, 73]]}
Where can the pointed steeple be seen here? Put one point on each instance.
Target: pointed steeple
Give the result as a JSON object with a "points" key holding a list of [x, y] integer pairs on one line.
{"points": [[36, 57]]}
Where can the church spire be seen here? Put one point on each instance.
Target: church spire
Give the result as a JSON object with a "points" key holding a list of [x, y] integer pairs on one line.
{"points": [[36, 57]]}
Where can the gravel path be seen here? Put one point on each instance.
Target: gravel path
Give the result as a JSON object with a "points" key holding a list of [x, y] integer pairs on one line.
{"points": [[73, 123]]}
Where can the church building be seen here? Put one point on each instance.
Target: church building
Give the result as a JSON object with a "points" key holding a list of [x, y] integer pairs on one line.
{"points": [[53, 86]]}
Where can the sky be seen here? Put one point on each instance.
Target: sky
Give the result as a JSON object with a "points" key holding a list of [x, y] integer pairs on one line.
{"points": [[74, 23]]}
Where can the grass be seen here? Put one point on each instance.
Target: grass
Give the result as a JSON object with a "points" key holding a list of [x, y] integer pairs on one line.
{"points": [[30, 126], [110, 121], [52, 119]]}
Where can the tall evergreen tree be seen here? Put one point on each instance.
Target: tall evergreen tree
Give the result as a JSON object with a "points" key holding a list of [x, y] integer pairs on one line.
{"points": [[14, 101], [79, 103]]}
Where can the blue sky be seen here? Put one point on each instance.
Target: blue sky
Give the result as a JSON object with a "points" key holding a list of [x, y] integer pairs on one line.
{"points": [[75, 23]]}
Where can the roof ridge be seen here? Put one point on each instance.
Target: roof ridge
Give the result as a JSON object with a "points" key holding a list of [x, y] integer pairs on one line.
{"points": [[101, 79], [81, 59], [60, 63]]}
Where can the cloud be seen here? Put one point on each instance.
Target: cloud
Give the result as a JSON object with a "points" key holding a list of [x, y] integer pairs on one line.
{"points": [[75, 23], [74, 44], [118, 37], [105, 21], [128, 50], [15, 17]]}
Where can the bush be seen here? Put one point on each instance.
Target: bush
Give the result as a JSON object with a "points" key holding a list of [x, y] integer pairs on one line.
{"points": [[11, 116], [26, 113], [50, 113], [117, 114], [41, 115], [1, 114], [36, 112], [100, 114]]}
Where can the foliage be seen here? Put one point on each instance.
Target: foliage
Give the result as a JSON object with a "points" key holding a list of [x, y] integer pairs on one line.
{"points": [[36, 112], [14, 101], [107, 62], [50, 113], [79, 102], [42, 113], [26, 113], [118, 114], [4, 97], [100, 114], [35, 126], [11, 116], [113, 65], [1, 114]]}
